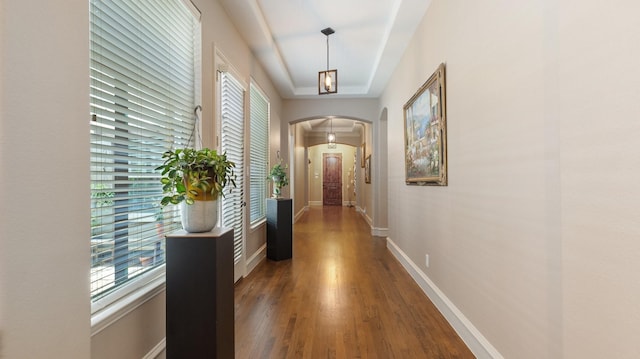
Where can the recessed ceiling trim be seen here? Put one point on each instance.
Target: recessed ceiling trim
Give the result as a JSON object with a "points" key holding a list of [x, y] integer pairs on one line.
{"points": [[281, 54], [285, 78], [383, 43]]}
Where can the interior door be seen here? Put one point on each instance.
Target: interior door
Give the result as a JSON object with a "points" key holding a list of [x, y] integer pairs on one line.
{"points": [[332, 179]]}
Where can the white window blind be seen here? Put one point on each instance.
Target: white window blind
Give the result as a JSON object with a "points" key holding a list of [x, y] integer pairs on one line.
{"points": [[142, 94], [259, 153], [232, 132]]}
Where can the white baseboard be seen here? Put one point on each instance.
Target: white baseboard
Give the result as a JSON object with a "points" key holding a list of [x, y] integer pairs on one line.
{"points": [[366, 218], [256, 258], [380, 232], [155, 351], [476, 342], [315, 203], [299, 214]]}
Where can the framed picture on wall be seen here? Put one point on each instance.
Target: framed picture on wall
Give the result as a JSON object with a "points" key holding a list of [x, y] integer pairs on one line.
{"points": [[367, 170], [425, 133], [363, 148]]}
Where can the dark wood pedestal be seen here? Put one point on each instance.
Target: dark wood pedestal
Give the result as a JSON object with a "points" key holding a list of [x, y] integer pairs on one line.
{"points": [[200, 310], [279, 228]]}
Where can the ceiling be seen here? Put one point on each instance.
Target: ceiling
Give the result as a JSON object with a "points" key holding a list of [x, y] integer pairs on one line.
{"points": [[369, 40], [340, 126]]}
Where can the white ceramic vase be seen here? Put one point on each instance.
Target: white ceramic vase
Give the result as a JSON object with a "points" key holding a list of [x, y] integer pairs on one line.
{"points": [[277, 192], [201, 216]]}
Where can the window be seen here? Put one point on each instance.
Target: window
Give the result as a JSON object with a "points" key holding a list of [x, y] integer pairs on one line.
{"points": [[258, 152], [143, 91], [232, 132]]}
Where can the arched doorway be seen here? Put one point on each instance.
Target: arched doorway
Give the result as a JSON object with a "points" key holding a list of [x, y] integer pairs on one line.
{"points": [[308, 140]]}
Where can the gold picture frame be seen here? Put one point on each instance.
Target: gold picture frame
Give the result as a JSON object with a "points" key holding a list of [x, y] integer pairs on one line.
{"points": [[425, 133], [363, 148]]}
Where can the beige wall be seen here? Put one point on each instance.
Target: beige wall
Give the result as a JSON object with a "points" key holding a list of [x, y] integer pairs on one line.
{"points": [[365, 203], [300, 198], [380, 173], [359, 108], [535, 238], [44, 179], [143, 326]]}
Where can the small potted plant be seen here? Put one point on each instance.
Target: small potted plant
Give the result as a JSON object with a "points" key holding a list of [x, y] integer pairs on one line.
{"points": [[278, 176], [194, 179]]}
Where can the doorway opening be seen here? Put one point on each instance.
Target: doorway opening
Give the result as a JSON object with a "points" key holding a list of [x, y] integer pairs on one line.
{"points": [[332, 175]]}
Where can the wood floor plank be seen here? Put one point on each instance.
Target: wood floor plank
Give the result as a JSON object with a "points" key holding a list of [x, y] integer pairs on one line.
{"points": [[343, 295]]}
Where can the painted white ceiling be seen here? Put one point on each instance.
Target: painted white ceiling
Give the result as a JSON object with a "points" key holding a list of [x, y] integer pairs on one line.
{"points": [[339, 126], [370, 37]]}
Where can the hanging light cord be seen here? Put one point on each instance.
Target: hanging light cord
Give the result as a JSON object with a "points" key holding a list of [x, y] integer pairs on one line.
{"points": [[327, 53]]}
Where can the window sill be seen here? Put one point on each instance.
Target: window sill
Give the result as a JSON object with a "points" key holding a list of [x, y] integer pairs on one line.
{"points": [[257, 224], [116, 305]]}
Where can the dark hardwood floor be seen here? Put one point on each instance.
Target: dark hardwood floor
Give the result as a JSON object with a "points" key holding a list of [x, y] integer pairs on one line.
{"points": [[343, 295]]}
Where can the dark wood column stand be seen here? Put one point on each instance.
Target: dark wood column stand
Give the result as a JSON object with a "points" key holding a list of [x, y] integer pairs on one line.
{"points": [[279, 228], [200, 311]]}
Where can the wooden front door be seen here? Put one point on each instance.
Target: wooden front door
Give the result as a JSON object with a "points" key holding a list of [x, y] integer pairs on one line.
{"points": [[332, 179]]}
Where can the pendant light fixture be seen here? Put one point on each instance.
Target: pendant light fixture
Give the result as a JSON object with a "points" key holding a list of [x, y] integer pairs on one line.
{"points": [[327, 80], [331, 136]]}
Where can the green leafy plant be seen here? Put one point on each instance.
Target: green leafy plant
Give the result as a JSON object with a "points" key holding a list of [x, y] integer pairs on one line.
{"points": [[189, 174], [278, 174]]}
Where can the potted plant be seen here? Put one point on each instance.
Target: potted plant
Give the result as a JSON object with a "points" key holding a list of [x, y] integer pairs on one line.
{"points": [[194, 179], [278, 176]]}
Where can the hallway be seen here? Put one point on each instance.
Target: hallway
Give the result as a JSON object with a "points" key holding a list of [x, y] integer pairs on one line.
{"points": [[343, 295]]}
